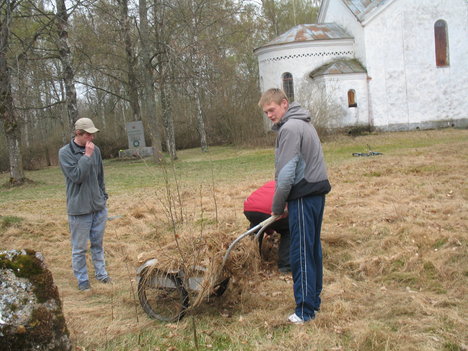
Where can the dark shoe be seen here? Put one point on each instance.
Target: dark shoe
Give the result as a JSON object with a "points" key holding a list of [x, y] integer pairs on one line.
{"points": [[284, 269], [106, 280], [84, 286]]}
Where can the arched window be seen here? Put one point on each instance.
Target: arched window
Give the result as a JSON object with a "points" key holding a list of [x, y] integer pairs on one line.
{"points": [[441, 43], [288, 86], [352, 98]]}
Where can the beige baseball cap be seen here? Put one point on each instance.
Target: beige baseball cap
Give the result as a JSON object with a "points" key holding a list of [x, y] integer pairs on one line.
{"points": [[87, 125]]}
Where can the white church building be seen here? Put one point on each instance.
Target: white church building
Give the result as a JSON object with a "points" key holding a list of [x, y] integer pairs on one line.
{"points": [[387, 64]]}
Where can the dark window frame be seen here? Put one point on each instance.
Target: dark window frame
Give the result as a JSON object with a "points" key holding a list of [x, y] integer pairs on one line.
{"points": [[441, 43], [352, 98], [288, 85]]}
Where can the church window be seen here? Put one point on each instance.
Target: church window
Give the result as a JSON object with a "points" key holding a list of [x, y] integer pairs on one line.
{"points": [[441, 43], [288, 86], [352, 98]]}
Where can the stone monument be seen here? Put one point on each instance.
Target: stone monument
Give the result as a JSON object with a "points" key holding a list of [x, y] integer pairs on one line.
{"points": [[136, 141]]}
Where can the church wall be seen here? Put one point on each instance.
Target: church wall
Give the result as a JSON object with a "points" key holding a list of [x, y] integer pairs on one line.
{"points": [[299, 59], [337, 87], [353, 115], [338, 13], [406, 87]]}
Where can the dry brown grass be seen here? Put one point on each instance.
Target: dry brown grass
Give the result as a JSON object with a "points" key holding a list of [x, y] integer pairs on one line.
{"points": [[395, 236]]}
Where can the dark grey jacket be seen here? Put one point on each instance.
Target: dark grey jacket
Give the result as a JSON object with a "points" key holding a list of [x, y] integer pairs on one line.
{"points": [[84, 177], [299, 163]]}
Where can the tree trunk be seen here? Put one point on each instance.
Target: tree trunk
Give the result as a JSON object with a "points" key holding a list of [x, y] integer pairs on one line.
{"points": [[148, 101], [168, 120], [196, 73], [68, 75], [200, 120], [132, 83], [163, 72], [7, 111], [271, 13]]}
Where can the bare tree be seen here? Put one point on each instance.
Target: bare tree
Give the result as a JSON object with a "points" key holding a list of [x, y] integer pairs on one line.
{"points": [[196, 66], [7, 112], [281, 15], [320, 99], [270, 10], [164, 74], [132, 83], [148, 101], [68, 74]]}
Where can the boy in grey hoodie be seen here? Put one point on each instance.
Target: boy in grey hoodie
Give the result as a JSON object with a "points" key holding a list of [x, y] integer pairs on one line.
{"points": [[81, 164], [301, 184]]}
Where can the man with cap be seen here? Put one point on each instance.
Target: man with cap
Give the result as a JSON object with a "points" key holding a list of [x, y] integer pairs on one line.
{"points": [[81, 164]]}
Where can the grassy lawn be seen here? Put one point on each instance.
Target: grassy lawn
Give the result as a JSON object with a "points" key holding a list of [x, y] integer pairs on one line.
{"points": [[394, 238]]}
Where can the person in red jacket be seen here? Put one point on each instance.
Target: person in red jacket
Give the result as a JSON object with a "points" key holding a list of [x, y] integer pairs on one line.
{"points": [[257, 208]]}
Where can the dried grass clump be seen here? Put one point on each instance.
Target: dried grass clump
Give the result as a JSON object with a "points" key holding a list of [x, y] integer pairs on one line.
{"points": [[202, 255]]}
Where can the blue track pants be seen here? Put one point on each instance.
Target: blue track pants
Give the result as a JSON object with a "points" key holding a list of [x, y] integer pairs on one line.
{"points": [[305, 223]]}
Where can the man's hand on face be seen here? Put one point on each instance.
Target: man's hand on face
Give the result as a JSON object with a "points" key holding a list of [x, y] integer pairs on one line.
{"points": [[89, 148]]}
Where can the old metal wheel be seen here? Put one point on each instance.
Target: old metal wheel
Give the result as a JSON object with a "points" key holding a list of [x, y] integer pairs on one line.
{"points": [[162, 295]]}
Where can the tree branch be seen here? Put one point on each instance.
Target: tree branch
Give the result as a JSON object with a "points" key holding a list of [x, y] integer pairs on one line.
{"points": [[39, 107], [104, 90]]}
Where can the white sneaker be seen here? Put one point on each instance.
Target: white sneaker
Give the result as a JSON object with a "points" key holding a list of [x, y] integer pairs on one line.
{"points": [[294, 318]]}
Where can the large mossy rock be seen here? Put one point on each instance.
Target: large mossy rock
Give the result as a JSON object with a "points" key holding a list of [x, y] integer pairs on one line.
{"points": [[31, 315]]}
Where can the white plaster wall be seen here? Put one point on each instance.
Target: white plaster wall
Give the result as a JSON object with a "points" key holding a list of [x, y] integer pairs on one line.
{"points": [[340, 14], [337, 87], [299, 59], [406, 87], [354, 115]]}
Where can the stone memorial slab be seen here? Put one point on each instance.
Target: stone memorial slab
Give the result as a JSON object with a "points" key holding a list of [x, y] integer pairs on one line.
{"points": [[136, 135], [136, 142]]}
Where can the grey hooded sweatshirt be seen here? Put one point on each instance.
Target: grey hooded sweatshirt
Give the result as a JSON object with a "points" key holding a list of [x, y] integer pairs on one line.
{"points": [[84, 176], [299, 163]]}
